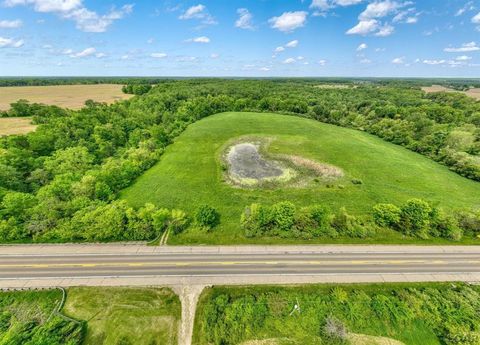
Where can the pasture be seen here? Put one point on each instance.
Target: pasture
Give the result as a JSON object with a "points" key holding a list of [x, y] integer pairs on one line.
{"points": [[192, 173], [143, 316], [474, 93], [16, 125], [65, 96]]}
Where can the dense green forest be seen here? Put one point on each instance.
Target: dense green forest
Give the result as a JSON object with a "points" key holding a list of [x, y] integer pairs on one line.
{"points": [[416, 314], [61, 182]]}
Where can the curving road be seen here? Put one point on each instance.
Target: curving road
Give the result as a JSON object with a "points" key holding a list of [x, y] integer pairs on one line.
{"points": [[67, 265]]}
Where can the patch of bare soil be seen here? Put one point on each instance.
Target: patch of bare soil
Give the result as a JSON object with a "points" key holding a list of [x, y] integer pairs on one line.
{"points": [[16, 125], [363, 339], [474, 93], [323, 170]]}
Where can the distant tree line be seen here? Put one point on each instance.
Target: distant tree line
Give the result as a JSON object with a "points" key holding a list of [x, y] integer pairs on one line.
{"points": [[59, 180]]}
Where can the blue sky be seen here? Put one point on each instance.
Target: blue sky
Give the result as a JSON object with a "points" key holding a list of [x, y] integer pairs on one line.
{"points": [[438, 38]]}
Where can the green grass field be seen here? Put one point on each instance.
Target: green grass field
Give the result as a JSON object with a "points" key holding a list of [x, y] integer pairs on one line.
{"points": [[190, 174], [414, 314], [140, 316]]}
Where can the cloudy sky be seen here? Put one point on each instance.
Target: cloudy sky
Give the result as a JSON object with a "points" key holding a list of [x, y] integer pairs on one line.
{"points": [[240, 37]]}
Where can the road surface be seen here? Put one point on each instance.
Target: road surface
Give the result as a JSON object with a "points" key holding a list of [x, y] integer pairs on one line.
{"points": [[67, 265]]}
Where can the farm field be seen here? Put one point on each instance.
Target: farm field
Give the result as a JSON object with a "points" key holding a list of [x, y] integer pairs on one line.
{"points": [[191, 173], [387, 314], [65, 96], [474, 93], [143, 316], [16, 125]]}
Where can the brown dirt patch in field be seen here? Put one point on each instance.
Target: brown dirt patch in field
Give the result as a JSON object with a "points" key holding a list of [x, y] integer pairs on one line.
{"points": [[474, 93], [65, 96], [16, 125], [320, 169], [362, 339]]}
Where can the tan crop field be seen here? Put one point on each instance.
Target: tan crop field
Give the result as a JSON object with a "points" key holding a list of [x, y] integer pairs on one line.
{"points": [[16, 125], [65, 96], [474, 93]]}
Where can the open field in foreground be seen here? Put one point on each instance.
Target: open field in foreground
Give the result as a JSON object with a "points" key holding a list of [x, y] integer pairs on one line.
{"points": [[65, 96], [16, 125], [191, 173], [144, 316], [388, 314], [474, 93]]}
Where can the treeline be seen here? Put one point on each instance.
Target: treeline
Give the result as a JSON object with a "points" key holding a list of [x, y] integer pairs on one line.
{"points": [[424, 314], [46, 81], [415, 219], [79, 161]]}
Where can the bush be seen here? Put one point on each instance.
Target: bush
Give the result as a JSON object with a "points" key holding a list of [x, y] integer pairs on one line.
{"points": [[256, 220], [386, 215], [207, 216], [447, 226], [283, 215], [415, 218]]}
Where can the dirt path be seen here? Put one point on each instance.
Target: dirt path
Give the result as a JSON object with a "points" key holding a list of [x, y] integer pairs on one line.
{"points": [[188, 297]]}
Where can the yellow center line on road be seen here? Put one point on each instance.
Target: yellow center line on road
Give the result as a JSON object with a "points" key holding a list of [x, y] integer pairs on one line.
{"points": [[231, 263]]}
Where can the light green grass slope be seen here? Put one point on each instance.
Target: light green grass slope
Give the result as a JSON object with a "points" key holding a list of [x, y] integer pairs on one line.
{"points": [[140, 316], [190, 174]]}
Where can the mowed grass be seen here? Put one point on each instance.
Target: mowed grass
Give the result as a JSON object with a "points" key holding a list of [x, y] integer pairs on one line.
{"points": [[190, 174], [140, 316], [16, 125], [65, 96]]}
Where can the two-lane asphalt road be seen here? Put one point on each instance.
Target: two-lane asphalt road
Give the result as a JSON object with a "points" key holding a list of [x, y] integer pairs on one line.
{"points": [[99, 265]]}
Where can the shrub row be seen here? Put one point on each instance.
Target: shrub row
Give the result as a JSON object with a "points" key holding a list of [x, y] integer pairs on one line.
{"points": [[285, 220]]}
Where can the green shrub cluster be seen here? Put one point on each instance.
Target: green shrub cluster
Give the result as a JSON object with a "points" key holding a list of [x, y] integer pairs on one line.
{"points": [[207, 217], [285, 220], [417, 218], [416, 315]]}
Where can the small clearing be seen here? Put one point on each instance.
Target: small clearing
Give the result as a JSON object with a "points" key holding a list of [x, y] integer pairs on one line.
{"points": [[474, 92], [323, 170], [16, 125], [363, 339]]}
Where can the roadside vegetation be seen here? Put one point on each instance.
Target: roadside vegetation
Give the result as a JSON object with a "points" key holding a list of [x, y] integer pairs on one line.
{"points": [[59, 182], [413, 314], [126, 316], [31, 318], [120, 316]]}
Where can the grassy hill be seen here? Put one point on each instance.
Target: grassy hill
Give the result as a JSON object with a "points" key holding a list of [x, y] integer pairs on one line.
{"points": [[190, 172]]}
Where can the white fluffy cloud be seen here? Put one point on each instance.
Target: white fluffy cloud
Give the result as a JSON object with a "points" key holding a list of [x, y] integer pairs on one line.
{"points": [[245, 19], [10, 24], [158, 55], [279, 49], [463, 58], [327, 4], [385, 30], [84, 53], [198, 12], [466, 47], [364, 27], [361, 47], [322, 62], [380, 9], [292, 44], [398, 61], [85, 19], [476, 18], [369, 20], [289, 61], [10, 43], [289, 21], [201, 39]]}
